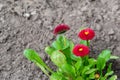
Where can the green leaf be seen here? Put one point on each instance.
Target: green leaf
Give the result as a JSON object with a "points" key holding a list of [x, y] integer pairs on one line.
{"points": [[102, 78], [108, 74], [33, 56], [109, 67], [67, 53], [57, 45], [92, 62], [55, 76], [105, 54], [68, 70], [49, 50], [58, 58], [79, 78], [101, 63], [92, 76], [90, 71], [73, 57], [78, 64], [85, 69], [103, 58], [114, 77], [42, 68], [114, 57], [71, 44], [84, 42], [61, 43]]}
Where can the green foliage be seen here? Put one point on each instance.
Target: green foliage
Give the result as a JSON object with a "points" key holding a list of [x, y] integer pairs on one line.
{"points": [[114, 57], [114, 77], [78, 64], [56, 76], [34, 57], [71, 67], [68, 70], [87, 43], [90, 71], [58, 58], [49, 50], [102, 59], [79, 78], [61, 43]]}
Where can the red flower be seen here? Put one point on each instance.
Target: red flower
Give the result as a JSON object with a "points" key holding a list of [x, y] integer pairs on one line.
{"points": [[86, 34], [81, 50], [61, 28]]}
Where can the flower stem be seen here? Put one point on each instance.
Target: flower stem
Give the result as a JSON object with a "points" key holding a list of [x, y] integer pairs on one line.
{"points": [[88, 44], [43, 69], [86, 60], [49, 69]]}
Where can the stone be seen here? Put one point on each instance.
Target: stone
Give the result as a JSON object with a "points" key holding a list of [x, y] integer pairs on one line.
{"points": [[111, 32], [18, 10], [84, 8], [27, 15], [115, 8], [35, 17], [1, 6], [98, 27], [33, 13]]}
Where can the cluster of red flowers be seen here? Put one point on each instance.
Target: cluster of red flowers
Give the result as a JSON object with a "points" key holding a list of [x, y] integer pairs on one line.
{"points": [[80, 49], [85, 34]]}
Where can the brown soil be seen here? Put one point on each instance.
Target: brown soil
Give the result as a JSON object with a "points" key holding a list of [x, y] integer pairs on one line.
{"points": [[29, 24]]}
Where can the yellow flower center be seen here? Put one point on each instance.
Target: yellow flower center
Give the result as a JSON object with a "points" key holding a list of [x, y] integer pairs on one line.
{"points": [[86, 33], [81, 49]]}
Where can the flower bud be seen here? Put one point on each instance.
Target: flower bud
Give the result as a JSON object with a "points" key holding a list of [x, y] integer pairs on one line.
{"points": [[97, 76]]}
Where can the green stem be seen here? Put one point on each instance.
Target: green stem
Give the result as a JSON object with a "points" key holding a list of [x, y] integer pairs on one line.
{"points": [[43, 69], [86, 59], [44, 65], [88, 44], [49, 69]]}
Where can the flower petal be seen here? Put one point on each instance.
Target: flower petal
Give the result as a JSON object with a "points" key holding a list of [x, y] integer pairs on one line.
{"points": [[83, 52], [86, 34]]}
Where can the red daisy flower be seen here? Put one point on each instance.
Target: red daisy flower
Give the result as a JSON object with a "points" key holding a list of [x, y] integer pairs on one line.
{"points": [[81, 50], [61, 28], [86, 34]]}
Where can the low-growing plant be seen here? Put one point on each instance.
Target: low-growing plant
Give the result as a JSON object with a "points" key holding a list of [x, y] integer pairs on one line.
{"points": [[73, 61]]}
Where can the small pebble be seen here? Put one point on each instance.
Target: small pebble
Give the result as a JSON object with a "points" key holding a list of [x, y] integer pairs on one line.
{"points": [[18, 10], [1, 6], [98, 27], [115, 8], [27, 15], [111, 32], [35, 17], [33, 12], [84, 8]]}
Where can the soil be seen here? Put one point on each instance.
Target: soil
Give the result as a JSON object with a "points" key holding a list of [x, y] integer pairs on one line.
{"points": [[29, 24]]}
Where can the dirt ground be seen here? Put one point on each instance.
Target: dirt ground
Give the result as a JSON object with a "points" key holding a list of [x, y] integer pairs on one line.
{"points": [[29, 24]]}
